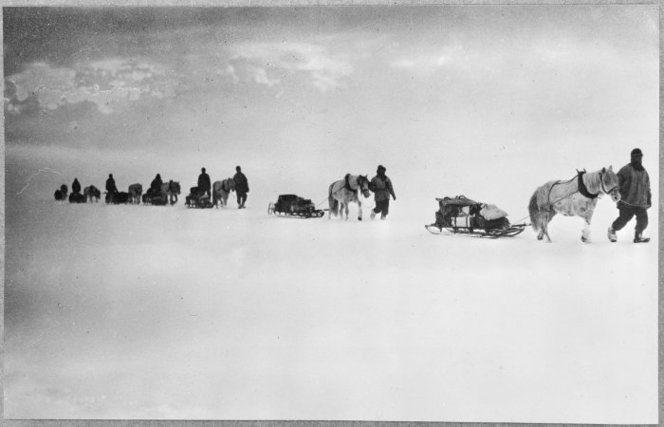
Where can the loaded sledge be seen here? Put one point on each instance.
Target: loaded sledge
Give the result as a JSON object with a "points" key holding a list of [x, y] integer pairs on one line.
{"points": [[198, 198], [155, 197], [293, 205], [463, 215]]}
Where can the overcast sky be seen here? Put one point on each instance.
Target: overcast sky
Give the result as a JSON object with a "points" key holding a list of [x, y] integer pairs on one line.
{"points": [[339, 87]]}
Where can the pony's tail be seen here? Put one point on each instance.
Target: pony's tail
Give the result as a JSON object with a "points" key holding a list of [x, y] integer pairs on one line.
{"points": [[334, 204], [533, 209]]}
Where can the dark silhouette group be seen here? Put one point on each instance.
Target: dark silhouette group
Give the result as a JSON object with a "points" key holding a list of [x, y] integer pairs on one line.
{"points": [[205, 195], [161, 192]]}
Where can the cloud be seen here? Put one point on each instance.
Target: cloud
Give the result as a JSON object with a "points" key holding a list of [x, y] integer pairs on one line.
{"points": [[259, 75], [107, 83], [455, 55], [230, 71], [324, 69]]}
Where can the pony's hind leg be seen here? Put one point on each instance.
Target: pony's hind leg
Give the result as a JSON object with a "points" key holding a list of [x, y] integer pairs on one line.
{"points": [[359, 210], [544, 227]]}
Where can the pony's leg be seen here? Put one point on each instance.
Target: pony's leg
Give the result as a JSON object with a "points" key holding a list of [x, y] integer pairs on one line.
{"points": [[359, 209], [346, 208], [585, 233], [547, 221], [538, 222], [544, 227]]}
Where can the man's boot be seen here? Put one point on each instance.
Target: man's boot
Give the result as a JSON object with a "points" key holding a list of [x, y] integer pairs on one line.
{"points": [[640, 239]]}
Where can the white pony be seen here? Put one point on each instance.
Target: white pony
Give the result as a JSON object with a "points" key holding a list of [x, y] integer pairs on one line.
{"points": [[341, 193], [171, 189], [578, 196], [221, 190]]}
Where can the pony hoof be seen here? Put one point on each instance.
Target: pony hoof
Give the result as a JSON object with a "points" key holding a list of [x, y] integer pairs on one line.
{"points": [[359, 219], [585, 239]]}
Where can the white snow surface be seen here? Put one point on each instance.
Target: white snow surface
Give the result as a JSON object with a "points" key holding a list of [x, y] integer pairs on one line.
{"points": [[123, 312]]}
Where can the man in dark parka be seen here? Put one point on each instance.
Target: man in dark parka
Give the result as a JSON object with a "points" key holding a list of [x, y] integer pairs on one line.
{"points": [[110, 184], [381, 185], [204, 185], [75, 186], [241, 187], [635, 198]]}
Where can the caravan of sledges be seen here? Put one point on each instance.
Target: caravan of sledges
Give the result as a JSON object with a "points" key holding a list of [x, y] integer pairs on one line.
{"points": [[458, 215]]}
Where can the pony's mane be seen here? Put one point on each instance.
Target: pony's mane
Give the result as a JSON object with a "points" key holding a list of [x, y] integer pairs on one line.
{"points": [[352, 180], [593, 180]]}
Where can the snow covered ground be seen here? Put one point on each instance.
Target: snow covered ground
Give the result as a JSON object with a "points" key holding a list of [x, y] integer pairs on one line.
{"points": [[168, 312], [142, 312]]}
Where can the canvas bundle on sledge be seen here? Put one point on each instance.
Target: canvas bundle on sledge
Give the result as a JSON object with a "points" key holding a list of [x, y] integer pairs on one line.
{"points": [[462, 215]]}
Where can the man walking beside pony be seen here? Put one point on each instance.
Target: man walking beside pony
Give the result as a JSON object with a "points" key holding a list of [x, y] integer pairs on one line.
{"points": [[381, 185], [635, 198]]}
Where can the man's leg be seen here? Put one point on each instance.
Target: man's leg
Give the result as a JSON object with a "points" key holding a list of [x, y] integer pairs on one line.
{"points": [[385, 208], [375, 210], [625, 215], [641, 224]]}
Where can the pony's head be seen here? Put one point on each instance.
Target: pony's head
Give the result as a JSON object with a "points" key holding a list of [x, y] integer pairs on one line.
{"points": [[609, 183], [363, 185]]}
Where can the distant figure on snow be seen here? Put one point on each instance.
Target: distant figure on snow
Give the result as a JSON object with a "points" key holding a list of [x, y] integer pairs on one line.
{"points": [[155, 185], [76, 186], [241, 187], [381, 185], [110, 184], [635, 198], [61, 194], [204, 185]]}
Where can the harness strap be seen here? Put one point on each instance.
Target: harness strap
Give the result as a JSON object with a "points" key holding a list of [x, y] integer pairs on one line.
{"points": [[583, 189], [548, 197]]}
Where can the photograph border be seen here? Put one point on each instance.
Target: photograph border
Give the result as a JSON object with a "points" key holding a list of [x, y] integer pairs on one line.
{"points": [[284, 3]]}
